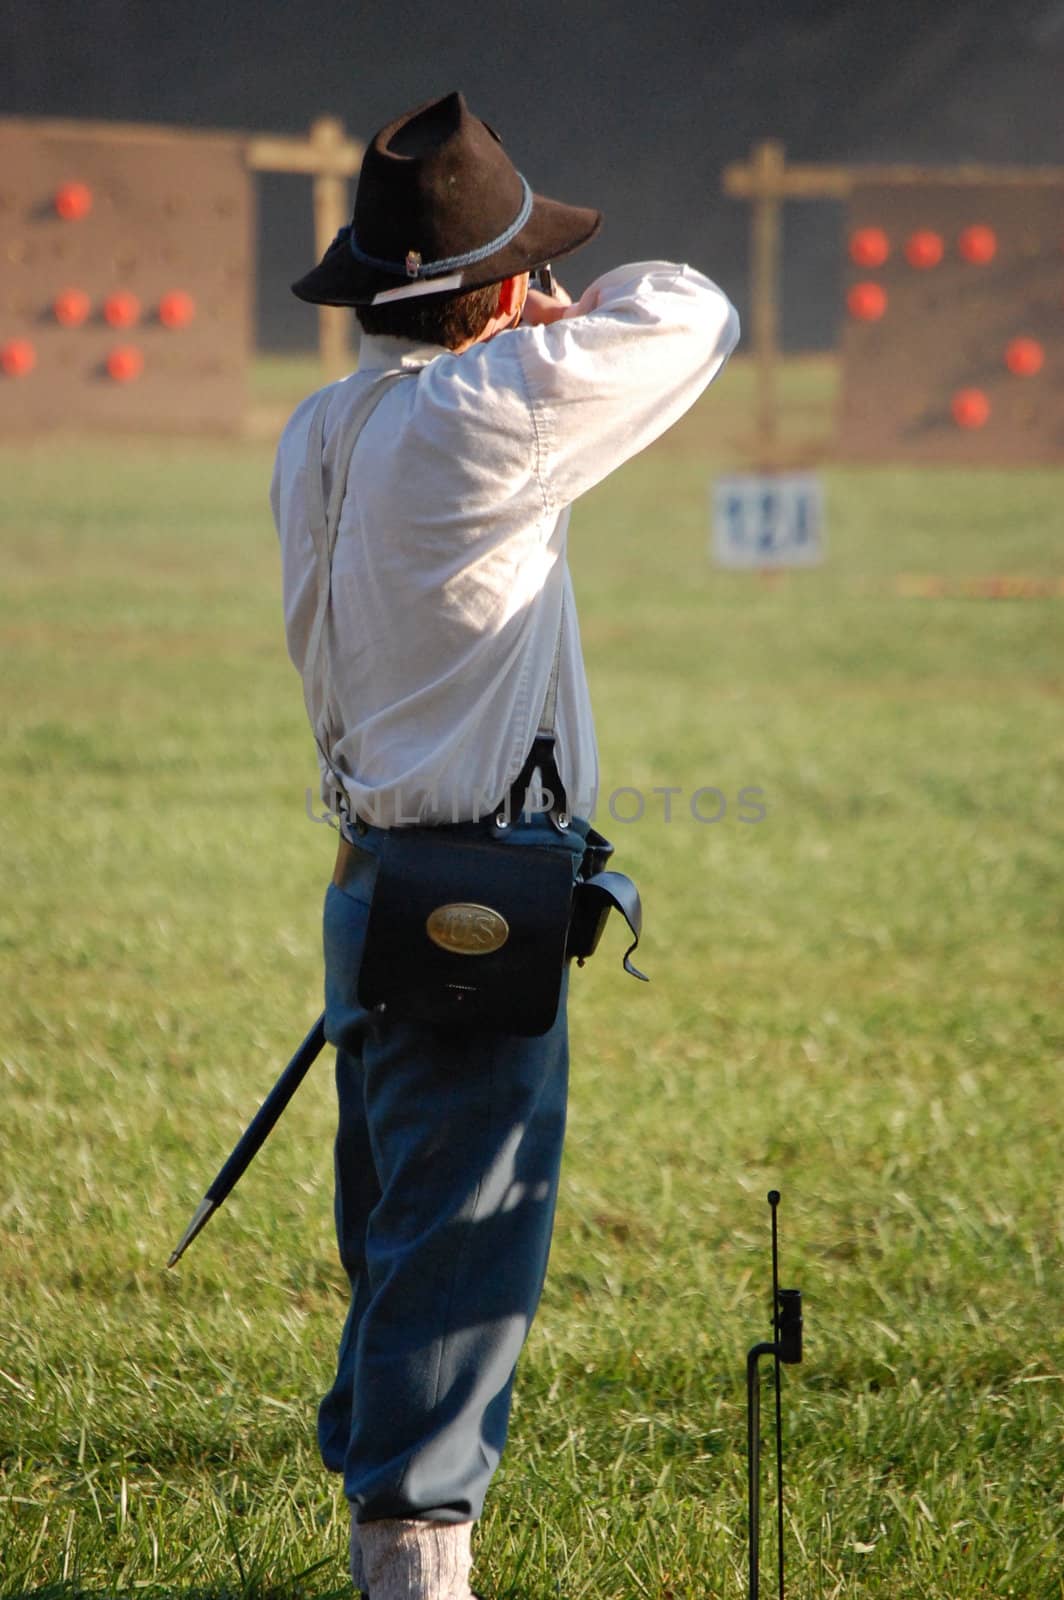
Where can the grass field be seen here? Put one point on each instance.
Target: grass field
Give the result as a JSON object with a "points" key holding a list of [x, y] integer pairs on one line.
{"points": [[856, 1000]]}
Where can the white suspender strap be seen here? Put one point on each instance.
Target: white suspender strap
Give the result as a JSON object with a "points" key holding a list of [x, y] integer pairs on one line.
{"points": [[550, 699], [324, 525]]}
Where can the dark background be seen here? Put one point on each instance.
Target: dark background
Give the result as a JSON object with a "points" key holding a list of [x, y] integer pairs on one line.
{"points": [[631, 107]]}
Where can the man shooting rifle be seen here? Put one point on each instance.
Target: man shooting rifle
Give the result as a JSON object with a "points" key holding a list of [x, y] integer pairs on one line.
{"points": [[423, 511]]}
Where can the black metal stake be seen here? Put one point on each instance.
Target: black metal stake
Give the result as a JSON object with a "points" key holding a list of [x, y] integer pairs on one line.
{"points": [[786, 1348]]}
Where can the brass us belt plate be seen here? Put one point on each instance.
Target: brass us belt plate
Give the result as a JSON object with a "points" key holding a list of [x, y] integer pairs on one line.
{"points": [[466, 929]]}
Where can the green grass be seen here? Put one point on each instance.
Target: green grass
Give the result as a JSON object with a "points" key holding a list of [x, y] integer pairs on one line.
{"points": [[856, 1000]]}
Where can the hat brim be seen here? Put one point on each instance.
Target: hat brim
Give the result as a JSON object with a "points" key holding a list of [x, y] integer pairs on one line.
{"points": [[553, 230]]}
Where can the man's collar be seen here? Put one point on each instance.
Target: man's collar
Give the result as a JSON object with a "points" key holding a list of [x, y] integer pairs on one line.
{"points": [[378, 351]]}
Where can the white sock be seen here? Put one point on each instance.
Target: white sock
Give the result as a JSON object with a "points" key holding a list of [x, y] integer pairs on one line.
{"points": [[416, 1560]]}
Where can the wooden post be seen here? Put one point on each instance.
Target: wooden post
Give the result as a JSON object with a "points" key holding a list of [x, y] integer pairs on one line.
{"points": [[330, 158], [330, 215], [766, 171]]}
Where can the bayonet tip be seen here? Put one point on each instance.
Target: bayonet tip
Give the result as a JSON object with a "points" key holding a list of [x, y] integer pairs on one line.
{"points": [[200, 1217]]}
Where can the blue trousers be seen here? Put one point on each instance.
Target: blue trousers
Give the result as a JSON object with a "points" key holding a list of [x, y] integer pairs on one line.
{"points": [[447, 1158]]}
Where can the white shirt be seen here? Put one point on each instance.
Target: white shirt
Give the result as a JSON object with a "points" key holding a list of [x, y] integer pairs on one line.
{"points": [[450, 568]]}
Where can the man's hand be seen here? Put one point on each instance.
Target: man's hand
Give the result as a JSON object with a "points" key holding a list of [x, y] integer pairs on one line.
{"points": [[541, 308], [552, 308]]}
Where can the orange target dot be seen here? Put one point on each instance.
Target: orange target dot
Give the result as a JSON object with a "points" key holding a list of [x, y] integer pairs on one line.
{"points": [[867, 301], [978, 244], [121, 309], [924, 249], [1024, 357], [176, 309], [71, 308], [125, 363], [869, 247], [17, 358], [971, 408], [73, 201]]}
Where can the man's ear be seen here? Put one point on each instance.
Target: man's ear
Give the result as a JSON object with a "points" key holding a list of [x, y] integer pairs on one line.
{"points": [[512, 293]]}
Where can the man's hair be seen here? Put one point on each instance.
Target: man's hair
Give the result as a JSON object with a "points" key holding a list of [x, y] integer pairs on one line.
{"points": [[450, 319]]}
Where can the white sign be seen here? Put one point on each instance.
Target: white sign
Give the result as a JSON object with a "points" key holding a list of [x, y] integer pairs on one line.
{"points": [[774, 519]]}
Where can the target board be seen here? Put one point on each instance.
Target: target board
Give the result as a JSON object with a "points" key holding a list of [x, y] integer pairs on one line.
{"points": [[953, 349], [125, 276]]}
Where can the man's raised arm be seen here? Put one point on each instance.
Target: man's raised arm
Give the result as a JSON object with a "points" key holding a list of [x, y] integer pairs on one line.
{"points": [[608, 375]]}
